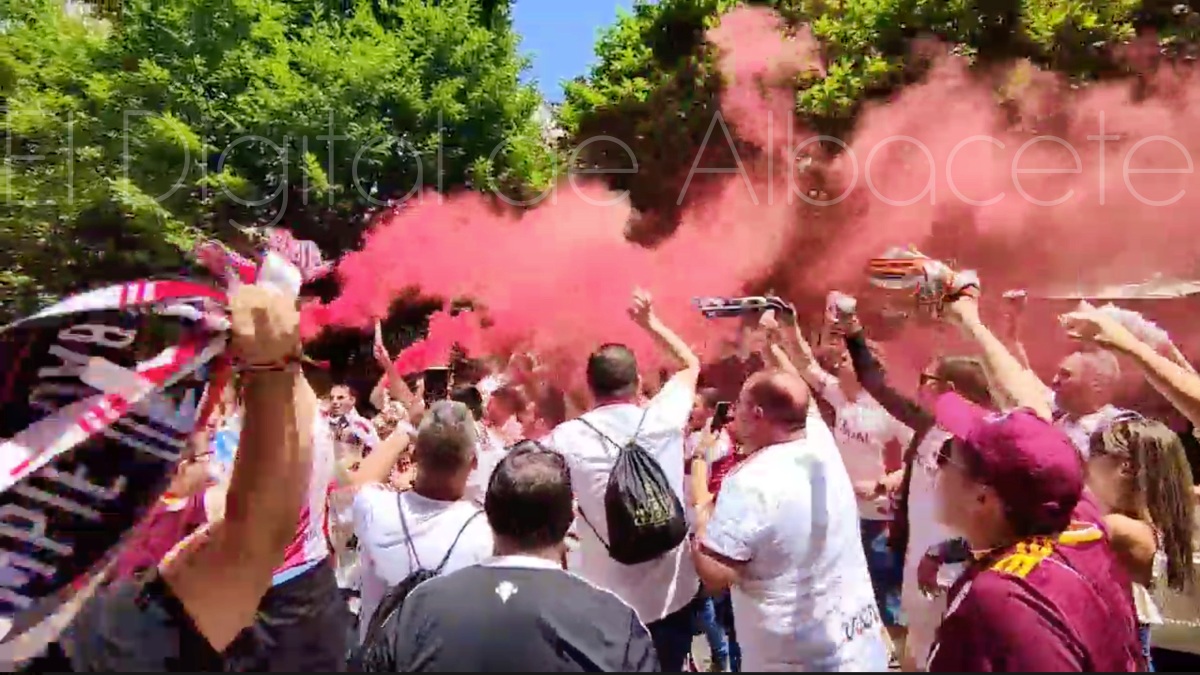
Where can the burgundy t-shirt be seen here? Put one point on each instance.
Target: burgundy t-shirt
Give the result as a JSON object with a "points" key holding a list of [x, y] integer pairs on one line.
{"points": [[720, 469], [1054, 606], [155, 536]]}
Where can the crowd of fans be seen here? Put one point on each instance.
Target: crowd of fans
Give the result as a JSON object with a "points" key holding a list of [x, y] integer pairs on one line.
{"points": [[987, 522]]}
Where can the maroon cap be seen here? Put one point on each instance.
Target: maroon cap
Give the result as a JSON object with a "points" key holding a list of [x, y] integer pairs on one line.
{"points": [[1031, 464]]}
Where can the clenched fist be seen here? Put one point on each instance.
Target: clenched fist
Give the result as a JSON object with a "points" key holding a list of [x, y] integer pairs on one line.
{"points": [[265, 324]]}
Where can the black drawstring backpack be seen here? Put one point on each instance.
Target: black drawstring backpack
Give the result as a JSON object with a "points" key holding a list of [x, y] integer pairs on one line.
{"points": [[644, 516]]}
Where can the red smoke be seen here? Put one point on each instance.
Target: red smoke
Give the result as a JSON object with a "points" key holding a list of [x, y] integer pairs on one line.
{"points": [[446, 331], [559, 275]]}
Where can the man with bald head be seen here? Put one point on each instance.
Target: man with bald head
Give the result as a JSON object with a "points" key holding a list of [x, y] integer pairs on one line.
{"points": [[784, 535], [1084, 386]]}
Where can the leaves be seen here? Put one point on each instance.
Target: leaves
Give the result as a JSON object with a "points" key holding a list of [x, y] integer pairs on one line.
{"points": [[866, 44], [172, 119]]}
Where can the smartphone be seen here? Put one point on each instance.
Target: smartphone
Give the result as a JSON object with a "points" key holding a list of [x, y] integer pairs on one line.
{"points": [[721, 416], [437, 383]]}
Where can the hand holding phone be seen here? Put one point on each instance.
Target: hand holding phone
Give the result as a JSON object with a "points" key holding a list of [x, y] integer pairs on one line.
{"points": [[437, 383], [721, 415]]}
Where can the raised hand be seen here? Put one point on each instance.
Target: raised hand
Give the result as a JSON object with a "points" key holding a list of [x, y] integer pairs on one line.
{"points": [[1092, 325], [962, 309], [265, 325], [768, 322], [641, 309], [841, 312], [379, 350]]}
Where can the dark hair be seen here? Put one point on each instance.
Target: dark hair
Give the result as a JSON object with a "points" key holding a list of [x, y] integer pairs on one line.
{"points": [[529, 498], [469, 396], [612, 371], [446, 438]]}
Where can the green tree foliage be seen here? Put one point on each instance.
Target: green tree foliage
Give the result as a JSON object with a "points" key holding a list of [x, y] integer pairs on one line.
{"points": [[652, 88], [158, 121], [654, 71]]}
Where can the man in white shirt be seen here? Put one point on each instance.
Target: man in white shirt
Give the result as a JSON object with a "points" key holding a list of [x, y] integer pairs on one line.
{"points": [[662, 591], [784, 534], [1083, 388], [520, 611], [400, 533], [502, 413], [871, 443], [347, 424], [489, 446]]}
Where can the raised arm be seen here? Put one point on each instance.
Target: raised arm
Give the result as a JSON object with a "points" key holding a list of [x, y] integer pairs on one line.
{"points": [[793, 352], [1017, 385], [1014, 324], [392, 382], [377, 466], [1170, 375], [643, 314], [874, 380], [221, 576]]}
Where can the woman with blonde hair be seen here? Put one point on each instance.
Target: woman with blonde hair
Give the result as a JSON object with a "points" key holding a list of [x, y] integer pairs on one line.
{"points": [[1139, 471]]}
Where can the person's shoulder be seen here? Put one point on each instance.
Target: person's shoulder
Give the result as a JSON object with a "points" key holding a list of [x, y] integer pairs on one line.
{"points": [[1125, 531], [565, 435], [374, 495], [599, 602], [744, 476], [475, 523], [1032, 571], [449, 583], [992, 597]]}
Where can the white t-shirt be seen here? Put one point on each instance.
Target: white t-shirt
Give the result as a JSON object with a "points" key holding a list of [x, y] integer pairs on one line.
{"points": [[658, 587], [804, 601], [384, 546], [1080, 429], [488, 453], [310, 545], [862, 430], [923, 613]]}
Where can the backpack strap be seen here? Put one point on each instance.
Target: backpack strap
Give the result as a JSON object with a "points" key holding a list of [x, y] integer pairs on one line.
{"points": [[412, 550], [442, 565], [604, 437], [593, 529]]}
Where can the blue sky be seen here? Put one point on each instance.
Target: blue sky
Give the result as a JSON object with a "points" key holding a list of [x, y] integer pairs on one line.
{"points": [[558, 35]]}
